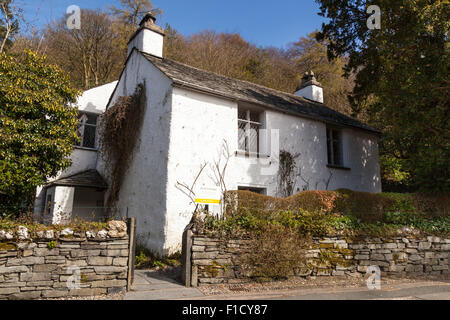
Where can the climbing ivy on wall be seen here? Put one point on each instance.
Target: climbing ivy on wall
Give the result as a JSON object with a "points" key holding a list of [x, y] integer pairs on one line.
{"points": [[121, 126]]}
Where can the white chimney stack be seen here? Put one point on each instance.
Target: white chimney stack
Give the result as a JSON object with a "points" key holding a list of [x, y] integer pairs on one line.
{"points": [[310, 88], [149, 38]]}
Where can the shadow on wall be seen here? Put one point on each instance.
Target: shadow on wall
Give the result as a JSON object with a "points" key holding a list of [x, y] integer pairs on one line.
{"points": [[308, 143], [143, 191]]}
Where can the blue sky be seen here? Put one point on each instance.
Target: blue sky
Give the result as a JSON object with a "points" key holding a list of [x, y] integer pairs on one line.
{"points": [[263, 22]]}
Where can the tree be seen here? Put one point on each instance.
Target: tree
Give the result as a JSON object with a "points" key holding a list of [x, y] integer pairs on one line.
{"points": [[131, 12], [309, 54], [230, 55], [402, 80], [37, 126], [9, 23], [92, 55]]}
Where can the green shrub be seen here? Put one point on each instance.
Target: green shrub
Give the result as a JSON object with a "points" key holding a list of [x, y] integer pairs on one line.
{"points": [[145, 259], [51, 244], [342, 223]]}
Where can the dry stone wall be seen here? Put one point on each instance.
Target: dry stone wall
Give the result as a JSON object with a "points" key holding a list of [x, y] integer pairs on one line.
{"points": [[64, 264], [221, 261]]}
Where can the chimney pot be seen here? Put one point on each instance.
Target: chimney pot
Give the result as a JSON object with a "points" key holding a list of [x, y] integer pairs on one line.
{"points": [[149, 38]]}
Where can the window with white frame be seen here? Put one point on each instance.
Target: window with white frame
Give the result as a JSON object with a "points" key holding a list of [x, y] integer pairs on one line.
{"points": [[249, 130], [87, 128], [334, 147]]}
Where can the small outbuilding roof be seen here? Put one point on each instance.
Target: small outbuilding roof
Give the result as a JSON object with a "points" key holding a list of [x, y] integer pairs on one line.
{"points": [[186, 76], [87, 179]]}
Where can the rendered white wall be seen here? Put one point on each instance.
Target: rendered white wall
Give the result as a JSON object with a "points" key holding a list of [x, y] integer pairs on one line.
{"points": [[311, 92], [200, 124], [149, 42], [62, 204], [143, 191], [96, 99]]}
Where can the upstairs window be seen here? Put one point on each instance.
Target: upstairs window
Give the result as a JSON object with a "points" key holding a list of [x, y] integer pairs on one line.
{"points": [[334, 147], [249, 130], [87, 127]]}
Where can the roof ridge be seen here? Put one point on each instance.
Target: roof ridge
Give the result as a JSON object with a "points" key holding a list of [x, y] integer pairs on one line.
{"points": [[296, 100], [235, 79]]}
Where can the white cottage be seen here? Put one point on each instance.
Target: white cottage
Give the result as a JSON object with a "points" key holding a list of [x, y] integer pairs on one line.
{"points": [[191, 114]]}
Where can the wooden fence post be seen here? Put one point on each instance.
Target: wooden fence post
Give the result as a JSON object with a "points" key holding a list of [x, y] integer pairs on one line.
{"points": [[131, 222], [186, 253]]}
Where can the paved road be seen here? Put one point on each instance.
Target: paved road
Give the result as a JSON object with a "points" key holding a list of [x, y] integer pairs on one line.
{"points": [[151, 285], [422, 291]]}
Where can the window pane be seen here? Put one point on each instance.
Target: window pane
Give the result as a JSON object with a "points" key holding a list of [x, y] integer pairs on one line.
{"points": [[89, 137], [242, 135], [91, 119], [337, 148], [253, 137], [242, 115], [82, 118], [248, 136], [329, 147], [254, 117]]}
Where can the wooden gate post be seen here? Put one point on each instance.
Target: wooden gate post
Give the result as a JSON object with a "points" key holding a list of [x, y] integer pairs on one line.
{"points": [[186, 253], [131, 222]]}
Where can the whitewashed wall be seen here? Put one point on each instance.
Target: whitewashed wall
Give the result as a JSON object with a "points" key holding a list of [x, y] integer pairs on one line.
{"points": [[183, 129], [143, 192], [201, 123]]}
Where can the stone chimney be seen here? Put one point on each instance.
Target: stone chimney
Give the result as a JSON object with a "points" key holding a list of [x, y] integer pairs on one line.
{"points": [[149, 38], [310, 88]]}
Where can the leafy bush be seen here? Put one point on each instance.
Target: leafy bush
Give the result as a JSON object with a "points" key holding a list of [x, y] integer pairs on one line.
{"points": [[280, 230], [368, 207], [319, 213], [38, 127]]}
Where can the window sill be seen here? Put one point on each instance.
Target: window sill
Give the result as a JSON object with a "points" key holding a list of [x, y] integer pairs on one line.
{"points": [[332, 166], [250, 154], [86, 149]]}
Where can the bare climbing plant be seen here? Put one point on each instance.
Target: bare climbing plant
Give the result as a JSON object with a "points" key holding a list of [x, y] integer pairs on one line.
{"points": [[189, 190], [120, 127], [287, 173], [218, 169]]}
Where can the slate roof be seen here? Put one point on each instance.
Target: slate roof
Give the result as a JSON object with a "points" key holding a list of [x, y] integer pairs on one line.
{"points": [[87, 179], [186, 76]]}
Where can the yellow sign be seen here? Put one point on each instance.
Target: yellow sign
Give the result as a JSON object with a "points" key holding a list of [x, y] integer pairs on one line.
{"points": [[208, 195], [207, 201]]}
